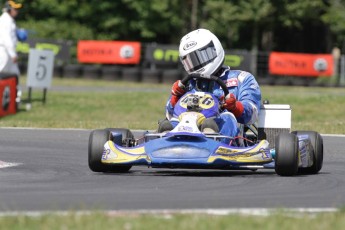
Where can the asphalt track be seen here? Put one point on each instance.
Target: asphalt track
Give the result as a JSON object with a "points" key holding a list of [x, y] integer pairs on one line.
{"points": [[53, 174]]}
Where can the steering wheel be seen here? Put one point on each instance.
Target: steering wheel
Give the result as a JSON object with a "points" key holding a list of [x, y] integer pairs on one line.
{"points": [[185, 80]]}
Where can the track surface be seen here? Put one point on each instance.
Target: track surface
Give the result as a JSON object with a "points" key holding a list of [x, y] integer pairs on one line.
{"points": [[53, 175]]}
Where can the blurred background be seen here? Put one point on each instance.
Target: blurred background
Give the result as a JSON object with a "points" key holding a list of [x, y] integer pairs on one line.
{"points": [[248, 29]]}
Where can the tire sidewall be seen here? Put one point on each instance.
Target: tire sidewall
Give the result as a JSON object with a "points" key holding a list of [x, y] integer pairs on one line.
{"points": [[286, 160]]}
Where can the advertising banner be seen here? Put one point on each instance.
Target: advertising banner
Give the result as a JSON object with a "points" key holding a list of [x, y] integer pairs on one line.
{"points": [[240, 60], [109, 52], [8, 94], [60, 48], [169, 54], [295, 64]]}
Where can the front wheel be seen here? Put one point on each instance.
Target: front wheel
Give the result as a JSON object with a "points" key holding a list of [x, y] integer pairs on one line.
{"points": [[286, 159], [97, 139], [317, 144]]}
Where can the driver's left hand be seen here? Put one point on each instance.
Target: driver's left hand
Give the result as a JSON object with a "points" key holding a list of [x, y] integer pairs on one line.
{"points": [[232, 105]]}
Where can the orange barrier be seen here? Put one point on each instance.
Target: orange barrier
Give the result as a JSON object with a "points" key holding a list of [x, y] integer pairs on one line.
{"points": [[8, 94], [109, 52], [294, 64]]}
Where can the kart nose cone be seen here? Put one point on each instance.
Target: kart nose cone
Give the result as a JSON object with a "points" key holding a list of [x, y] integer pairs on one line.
{"points": [[181, 152]]}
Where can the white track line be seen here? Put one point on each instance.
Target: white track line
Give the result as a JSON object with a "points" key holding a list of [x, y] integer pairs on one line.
{"points": [[4, 164], [165, 212]]}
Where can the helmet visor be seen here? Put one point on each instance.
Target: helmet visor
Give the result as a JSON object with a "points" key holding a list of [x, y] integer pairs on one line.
{"points": [[199, 58]]}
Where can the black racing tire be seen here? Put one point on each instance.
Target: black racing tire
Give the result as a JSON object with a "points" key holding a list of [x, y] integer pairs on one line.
{"points": [[317, 143], [164, 126], [286, 159], [97, 139], [126, 133]]}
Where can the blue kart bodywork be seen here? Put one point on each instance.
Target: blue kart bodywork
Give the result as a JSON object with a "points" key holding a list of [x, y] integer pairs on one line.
{"points": [[108, 152], [186, 151]]}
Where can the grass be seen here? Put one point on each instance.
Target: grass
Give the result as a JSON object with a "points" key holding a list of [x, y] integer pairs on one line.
{"points": [[284, 220], [140, 106]]}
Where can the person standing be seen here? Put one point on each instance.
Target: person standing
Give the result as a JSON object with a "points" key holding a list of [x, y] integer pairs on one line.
{"points": [[8, 38]]}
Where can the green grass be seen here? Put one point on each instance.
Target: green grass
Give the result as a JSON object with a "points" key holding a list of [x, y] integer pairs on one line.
{"points": [[313, 108], [286, 221]]}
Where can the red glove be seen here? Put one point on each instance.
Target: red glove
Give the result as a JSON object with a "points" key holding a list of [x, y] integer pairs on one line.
{"points": [[234, 106], [177, 90]]}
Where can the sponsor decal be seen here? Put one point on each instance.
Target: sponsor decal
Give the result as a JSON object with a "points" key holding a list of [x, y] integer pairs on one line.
{"points": [[189, 45], [6, 98], [234, 154], [8, 95], [185, 129], [320, 65], [105, 154], [231, 82], [265, 153], [126, 52], [243, 75]]}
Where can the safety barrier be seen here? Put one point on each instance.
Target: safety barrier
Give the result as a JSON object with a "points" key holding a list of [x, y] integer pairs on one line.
{"points": [[8, 94]]}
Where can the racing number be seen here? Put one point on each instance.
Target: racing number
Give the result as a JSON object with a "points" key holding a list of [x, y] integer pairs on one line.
{"points": [[41, 70], [206, 101]]}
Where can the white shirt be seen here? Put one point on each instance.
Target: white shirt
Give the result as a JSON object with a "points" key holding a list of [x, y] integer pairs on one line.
{"points": [[8, 37]]}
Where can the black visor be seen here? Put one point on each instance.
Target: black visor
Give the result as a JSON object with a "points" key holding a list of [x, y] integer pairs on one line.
{"points": [[199, 58]]}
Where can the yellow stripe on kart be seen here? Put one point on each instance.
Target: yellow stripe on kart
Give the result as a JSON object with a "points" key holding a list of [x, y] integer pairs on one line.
{"points": [[230, 151], [240, 159], [124, 155], [136, 151], [254, 155]]}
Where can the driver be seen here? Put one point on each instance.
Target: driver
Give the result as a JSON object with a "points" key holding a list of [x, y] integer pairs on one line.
{"points": [[201, 52]]}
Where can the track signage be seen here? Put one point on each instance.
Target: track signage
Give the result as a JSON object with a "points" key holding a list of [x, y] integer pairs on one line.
{"points": [[40, 70]]}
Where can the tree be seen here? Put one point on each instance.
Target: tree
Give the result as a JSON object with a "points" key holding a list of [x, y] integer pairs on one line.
{"points": [[292, 25], [298, 27], [335, 18]]}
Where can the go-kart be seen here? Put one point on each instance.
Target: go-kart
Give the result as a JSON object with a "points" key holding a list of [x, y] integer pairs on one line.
{"points": [[266, 145]]}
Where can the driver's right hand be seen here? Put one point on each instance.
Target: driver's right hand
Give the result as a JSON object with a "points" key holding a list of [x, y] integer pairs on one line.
{"points": [[177, 90]]}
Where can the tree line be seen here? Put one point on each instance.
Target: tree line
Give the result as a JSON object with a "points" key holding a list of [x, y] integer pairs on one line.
{"points": [[314, 26]]}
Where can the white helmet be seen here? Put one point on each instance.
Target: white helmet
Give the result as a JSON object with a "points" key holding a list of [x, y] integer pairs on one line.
{"points": [[201, 52]]}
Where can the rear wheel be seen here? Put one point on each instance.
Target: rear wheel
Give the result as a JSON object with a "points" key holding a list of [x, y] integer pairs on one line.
{"points": [[97, 140], [286, 159], [317, 143]]}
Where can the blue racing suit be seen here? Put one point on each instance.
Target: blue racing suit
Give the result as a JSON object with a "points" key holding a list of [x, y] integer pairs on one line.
{"points": [[246, 90]]}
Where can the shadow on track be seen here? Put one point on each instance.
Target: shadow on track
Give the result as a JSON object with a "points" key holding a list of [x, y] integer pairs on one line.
{"points": [[197, 173]]}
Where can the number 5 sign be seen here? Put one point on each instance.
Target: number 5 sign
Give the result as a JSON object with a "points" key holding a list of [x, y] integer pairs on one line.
{"points": [[40, 70]]}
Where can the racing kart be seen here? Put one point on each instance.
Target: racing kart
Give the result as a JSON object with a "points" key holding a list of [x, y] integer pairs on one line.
{"points": [[269, 144]]}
